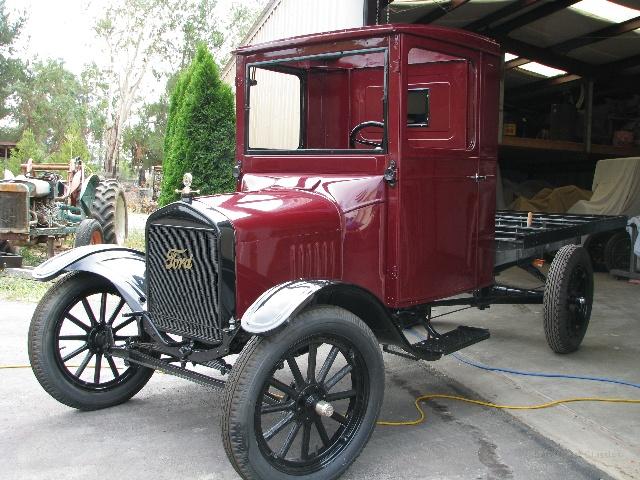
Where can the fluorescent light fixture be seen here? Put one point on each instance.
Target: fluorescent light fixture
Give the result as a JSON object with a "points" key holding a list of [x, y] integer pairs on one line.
{"points": [[541, 69], [606, 10], [509, 56]]}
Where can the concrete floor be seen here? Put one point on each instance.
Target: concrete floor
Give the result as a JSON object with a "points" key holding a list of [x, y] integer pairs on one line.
{"points": [[607, 435], [172, 427]]}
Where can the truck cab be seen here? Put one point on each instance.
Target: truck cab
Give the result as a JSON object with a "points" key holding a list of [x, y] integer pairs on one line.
{"points": [[396, 127]]}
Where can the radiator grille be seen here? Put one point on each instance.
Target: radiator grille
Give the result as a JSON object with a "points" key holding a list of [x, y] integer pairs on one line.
{"points": [[184, 301], [14, 211]]}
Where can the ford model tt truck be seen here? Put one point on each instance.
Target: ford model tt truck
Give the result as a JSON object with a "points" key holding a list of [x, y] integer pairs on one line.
{"points": [[366, 174]]}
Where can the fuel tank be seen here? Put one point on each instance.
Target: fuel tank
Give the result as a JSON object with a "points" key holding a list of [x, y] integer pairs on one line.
{"points": [[309, 227]]}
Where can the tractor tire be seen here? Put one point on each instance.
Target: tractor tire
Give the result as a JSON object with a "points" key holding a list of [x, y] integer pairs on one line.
{"points": [[617, 251], [89, 232], [568, 298], [109, 207]]}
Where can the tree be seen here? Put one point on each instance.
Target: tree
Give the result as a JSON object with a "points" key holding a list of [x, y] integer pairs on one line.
{"points": [[26, 148], [137, 35], [73, 145], [49, 102], [200, 134], [11, 69]]}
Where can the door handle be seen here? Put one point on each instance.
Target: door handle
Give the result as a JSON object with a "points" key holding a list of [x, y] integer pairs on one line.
{"points": [[479, 178]]}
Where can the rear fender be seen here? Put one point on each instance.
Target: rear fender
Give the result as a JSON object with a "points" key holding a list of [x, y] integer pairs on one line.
{"points": [[279, 306], [123, 267]]}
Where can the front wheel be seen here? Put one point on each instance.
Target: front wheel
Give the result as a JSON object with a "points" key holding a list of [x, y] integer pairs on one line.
{"points": [[70, 335], [304, 402]]}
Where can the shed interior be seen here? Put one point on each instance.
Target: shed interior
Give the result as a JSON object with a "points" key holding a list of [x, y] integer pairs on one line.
{"points": [[570, 90]]}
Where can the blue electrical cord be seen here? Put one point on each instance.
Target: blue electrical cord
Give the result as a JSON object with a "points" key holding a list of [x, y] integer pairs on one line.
{"points": [[531, 374], [542, 374]]}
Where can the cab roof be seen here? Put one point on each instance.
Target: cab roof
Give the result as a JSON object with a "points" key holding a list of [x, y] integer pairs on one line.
{"points": [[443, 34]]}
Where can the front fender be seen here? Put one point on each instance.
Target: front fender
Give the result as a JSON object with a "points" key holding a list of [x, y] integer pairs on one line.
{"points": [[123, 267], [273, 310], [279, 305]]}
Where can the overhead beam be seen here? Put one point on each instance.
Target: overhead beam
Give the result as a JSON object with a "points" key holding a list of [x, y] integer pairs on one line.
{"points": [[516, 62], [597, 36], [531, 16], [545, 56], [534, 88], [504, 12], [440, 11], [619, 65]]}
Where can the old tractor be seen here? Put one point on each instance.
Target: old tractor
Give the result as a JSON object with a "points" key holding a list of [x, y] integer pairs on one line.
{"points": [[41, 206]]}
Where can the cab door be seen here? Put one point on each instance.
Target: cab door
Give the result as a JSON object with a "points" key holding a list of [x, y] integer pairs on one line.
{"points": [[438, 188]]}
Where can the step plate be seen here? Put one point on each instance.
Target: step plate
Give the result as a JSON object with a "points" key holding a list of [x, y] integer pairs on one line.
{"points": [[452, 341]]}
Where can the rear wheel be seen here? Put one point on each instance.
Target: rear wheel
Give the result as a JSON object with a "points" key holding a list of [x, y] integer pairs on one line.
{"points": [[69, 340], [89, 232], [617, 251], [109, 207], [568, 297], [303, 403]]}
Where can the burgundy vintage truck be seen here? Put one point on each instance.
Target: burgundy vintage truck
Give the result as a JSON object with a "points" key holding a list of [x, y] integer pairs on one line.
{"points": [[366, 169]]}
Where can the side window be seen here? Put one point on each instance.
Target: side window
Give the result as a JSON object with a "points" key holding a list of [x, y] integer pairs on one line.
{"points": [[418, 107], [438, 100], [273, 91]]}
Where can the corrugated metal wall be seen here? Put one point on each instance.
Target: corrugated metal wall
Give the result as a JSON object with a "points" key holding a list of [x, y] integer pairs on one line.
{"points": [[288, 18], [274, 118]]}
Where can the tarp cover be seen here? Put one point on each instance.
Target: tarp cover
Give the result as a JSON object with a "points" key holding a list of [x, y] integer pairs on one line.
{"points": [[616, 189], [552, 200]]}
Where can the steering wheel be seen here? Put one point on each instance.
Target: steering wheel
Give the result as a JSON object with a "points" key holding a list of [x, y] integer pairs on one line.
{"points": [[353, 139]]}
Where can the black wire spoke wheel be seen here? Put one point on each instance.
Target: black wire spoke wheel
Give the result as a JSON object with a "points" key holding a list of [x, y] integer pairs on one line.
{"points": [[72, 331], [568, 298], [84, 334], [306, 415], [306, 398]]}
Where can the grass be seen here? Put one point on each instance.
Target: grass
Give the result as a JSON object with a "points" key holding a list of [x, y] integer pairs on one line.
{"points": [[34, 255], [22, 289], [135, 240]]}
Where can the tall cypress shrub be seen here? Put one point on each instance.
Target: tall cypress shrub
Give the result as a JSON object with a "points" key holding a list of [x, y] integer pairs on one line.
{"points": [[200, 136]]}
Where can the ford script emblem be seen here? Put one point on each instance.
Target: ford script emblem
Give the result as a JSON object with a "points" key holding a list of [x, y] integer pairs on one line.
{"points": [[177, 259]]}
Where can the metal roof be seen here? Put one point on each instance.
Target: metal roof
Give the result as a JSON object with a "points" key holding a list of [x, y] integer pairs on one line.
{"points": [[593, 39]]}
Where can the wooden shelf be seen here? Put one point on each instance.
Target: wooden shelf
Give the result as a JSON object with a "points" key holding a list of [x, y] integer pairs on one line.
{"points": [[564, 146]]}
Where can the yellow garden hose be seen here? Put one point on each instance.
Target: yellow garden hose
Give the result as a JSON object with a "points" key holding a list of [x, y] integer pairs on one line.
{"points": [[424, 398], [432, 396]]}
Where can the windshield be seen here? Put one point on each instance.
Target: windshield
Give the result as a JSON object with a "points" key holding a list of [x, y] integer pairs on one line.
{"points": [[329, 102]]}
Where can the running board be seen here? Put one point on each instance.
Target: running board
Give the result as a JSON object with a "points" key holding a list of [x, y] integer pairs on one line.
{"points": [[452, 341], [145, 360], [435, 347]]}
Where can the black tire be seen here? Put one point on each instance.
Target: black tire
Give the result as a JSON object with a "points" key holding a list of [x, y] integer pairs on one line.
{"points": [[594, 244], [46, 344], [248, 393], [617, 251], [89, 232], [568, 297], [109, 207]]}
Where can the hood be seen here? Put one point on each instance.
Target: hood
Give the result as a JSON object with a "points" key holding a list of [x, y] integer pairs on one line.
{"points": [[282, 206], [275, 213]]}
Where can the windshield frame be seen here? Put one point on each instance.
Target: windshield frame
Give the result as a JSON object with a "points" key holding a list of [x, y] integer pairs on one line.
{"points": [[315, 151]]}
